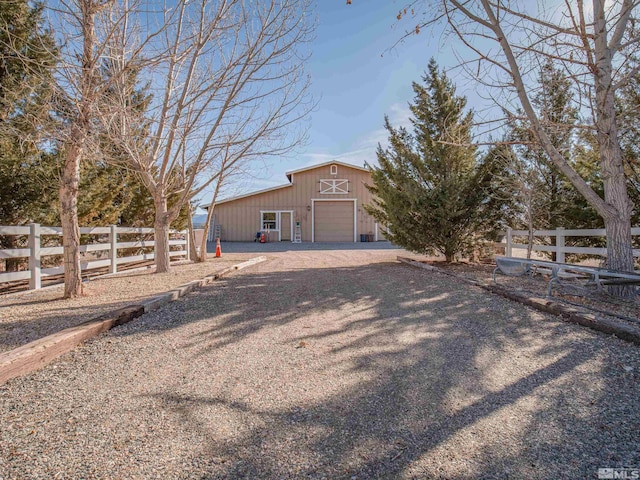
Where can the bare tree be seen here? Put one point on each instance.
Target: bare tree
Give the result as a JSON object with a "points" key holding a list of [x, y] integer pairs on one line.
{"points": [[77, 96], [227, 183], [87, 31], [508, 42], [228, 86]]}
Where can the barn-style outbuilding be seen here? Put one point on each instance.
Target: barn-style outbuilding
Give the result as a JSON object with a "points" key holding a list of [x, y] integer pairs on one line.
{"points": [[326, 201]]}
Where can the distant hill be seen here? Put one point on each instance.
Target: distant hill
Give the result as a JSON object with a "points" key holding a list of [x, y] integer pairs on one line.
{"points": [[198, 220]]}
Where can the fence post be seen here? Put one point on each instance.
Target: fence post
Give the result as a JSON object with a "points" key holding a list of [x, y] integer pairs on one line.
{"points": [[508, 249], [560, 245], [113, 252], [35, 282], [187, 245]]}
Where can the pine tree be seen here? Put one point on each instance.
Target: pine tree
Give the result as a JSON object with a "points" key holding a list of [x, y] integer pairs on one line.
{"points": [[27, 53], [629, 119], [520, 186], [431, 191], [555, 107], [111, 193], [555, 201]]}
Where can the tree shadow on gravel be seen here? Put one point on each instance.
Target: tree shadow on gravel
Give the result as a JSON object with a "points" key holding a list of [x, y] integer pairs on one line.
{"points": [[382, 371], [373, 431], [239, 307], [20, 331]]}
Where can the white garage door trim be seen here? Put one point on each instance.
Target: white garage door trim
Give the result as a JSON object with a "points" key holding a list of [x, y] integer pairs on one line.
{"points": [[313, 215]]}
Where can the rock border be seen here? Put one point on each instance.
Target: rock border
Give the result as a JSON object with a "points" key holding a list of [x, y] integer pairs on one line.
{"points": [[34, 355], [569, 314]]}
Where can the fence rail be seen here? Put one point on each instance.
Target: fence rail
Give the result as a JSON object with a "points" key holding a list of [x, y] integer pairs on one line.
{"points": [[35, 251], [560, 248]]}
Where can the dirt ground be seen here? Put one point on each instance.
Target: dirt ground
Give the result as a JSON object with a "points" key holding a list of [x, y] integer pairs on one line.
{"points": [[330, 364], [536, 285]]}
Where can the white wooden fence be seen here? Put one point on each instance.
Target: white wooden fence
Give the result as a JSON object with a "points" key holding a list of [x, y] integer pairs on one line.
{"points": [[35, 251], [560, 247]]}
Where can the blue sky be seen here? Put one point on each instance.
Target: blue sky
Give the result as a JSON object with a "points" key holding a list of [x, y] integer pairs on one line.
{"points": [[356, 79], [355, 83]]}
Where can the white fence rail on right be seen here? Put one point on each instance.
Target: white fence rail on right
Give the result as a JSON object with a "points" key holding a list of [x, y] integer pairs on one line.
{"points": [[560, 248]]}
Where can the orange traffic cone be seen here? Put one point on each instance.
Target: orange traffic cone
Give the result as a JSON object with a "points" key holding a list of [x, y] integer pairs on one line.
{"points": [[218, 249]]}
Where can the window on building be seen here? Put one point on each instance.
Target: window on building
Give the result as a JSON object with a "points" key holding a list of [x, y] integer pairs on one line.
{"points": [[334, 169], [269, 221]]}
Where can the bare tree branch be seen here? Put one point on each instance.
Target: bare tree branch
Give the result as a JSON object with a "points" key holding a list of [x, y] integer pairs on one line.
{"points": [[597, 48], [233, 90]]}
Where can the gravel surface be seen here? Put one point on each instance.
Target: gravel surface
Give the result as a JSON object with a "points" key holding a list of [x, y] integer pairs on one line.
{"points": [[330, 364], [28, 316], [600, 304]]}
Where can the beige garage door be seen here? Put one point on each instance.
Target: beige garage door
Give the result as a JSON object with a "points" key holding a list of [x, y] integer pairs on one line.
{"points": [[333, 221]]}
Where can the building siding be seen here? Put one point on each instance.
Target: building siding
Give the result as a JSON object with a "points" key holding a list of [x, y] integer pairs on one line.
{"points": [[240, 218]]}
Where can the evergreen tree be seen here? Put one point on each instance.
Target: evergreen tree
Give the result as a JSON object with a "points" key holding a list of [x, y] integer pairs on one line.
{"points": [[549, 200], [555, 107], [111, 193], [520, 187], [430, 189], [629, 120], [586, 159], [27, 53]]}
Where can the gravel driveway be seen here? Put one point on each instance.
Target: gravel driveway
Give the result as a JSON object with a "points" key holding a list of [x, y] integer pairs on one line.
{"points": [[330, 364], [28, 316]]}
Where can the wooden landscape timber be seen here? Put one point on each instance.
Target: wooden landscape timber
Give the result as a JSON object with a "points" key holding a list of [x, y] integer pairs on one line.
{"points": [[569, 314], [35, 355]]}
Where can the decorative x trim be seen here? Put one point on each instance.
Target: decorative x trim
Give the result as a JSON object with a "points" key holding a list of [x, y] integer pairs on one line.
{"points": [[334, 186]]}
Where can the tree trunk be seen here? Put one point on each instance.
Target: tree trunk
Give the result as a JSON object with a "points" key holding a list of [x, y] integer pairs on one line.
{"points": [[12, 264], [530, 205], [203, 243], [553, 213], [619, 252], [193, 253], [161, 227], [69, 184], [202, 255], [617, 222], [529, 236], [553, 242], [80, 127], [212, 206]]}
